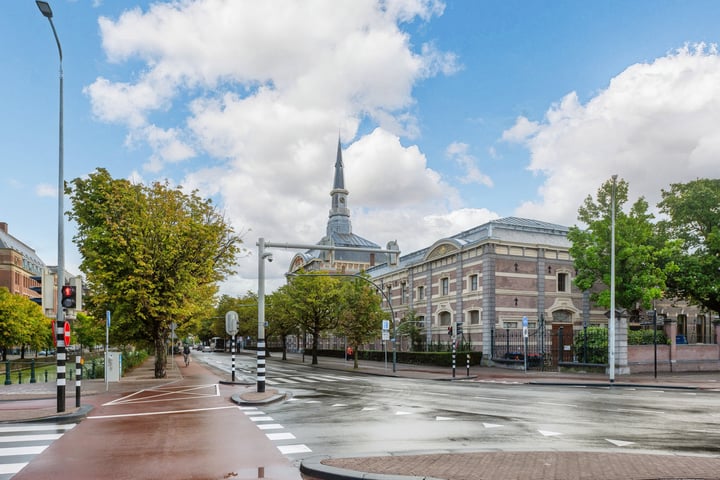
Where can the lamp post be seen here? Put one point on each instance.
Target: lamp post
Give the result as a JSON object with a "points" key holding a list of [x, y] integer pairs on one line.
{"points": [[611, 327], [59, 314]]}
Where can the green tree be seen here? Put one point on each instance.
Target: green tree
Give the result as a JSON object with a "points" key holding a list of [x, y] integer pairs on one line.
{"points": [[361, 318], [22, 323], [152, 255], [88, 331], [411, 326], [316, 300], [641, 260], [281, 319], [693, 211]]}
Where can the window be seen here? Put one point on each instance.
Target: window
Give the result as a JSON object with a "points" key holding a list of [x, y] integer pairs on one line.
{"points": [[474, 317], [562, 282], [473, 282], [403, 294], [444, 318], [389, 294], [445, 285], [421, 292]]}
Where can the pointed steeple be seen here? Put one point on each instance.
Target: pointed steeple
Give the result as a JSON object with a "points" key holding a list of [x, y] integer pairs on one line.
{"points": [[339, 218]]}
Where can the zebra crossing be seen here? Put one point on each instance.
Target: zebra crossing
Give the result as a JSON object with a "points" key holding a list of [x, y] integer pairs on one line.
{"points": [[278, 376], [20, 443]]}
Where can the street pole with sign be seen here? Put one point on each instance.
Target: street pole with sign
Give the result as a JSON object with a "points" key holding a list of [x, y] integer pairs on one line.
{"points": [[231, 328], [525, 340]]}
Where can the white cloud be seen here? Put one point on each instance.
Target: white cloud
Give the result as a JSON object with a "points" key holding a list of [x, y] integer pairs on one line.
{"points": [[45, 190], [458, 152], [655, 124], [262, 91]]}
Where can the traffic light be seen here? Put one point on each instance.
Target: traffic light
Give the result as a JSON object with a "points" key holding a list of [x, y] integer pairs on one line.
{"points": [[69, 298], [44, 289]]}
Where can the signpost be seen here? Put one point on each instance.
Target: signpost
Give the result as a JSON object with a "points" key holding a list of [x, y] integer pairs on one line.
{"points": [[231, 328]]}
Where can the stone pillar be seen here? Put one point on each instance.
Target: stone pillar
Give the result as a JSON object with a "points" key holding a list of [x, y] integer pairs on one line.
{"points": [[670, 328], [621, 345]]}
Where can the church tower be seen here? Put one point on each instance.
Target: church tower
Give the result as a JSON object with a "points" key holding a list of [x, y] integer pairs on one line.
{"points": [[339, 218], [338, 233]]}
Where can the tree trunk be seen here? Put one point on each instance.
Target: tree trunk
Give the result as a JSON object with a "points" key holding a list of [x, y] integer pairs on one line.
{"points": [[284, 347], [160, 358], [315, 347]]}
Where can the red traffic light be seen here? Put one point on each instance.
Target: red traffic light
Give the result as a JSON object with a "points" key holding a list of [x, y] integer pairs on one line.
{"points": [[69, 299]]}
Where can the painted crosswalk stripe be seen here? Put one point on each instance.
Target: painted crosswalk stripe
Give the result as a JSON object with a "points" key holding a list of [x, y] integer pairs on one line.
{"points": [[10, 451], [36, 428], [11, 468], [280, 436], [31, 438], [289, 449]]}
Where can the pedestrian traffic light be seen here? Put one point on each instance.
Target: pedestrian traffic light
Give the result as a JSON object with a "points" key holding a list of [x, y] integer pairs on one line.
{"points": [[68, 296]]}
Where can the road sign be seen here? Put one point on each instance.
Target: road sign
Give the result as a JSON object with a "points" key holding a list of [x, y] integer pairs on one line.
{"points": [[231, 323], [525, 322], [525, 332], [386, 325], [66, 333], [385, 335]]}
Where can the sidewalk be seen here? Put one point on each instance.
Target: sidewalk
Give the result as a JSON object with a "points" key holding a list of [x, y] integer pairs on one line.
{"points": [[460, 466]]}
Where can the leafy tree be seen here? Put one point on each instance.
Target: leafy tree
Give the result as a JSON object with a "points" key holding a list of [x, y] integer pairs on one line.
{"points": [[410, 325], [317, 302], [693, 209], [88, 331], [642, 262], [152, 255], [280, 317], [22, 323], [362, 315]]}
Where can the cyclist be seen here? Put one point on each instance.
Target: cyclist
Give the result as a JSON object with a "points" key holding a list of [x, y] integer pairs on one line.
{"points": [[186, 354]]}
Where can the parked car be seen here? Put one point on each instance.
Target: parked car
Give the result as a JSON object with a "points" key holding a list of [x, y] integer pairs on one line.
{"points": [[207, 348]]}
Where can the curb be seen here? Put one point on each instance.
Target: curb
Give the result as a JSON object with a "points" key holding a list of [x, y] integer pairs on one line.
{"points": [[61, 418], [610, 385], [237, 398], [314, 468]]}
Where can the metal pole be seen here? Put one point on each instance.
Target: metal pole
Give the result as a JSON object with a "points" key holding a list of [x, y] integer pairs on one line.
{"points": [[233, 358], [655, 338], [611, 327], [59, 314], [78, 379], [261, 317]]}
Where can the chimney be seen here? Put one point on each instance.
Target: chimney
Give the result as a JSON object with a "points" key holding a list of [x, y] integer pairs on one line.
{"points": [[3, 227]]}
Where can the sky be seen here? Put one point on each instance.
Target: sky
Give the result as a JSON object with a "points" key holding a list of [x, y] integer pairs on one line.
{"points": [[450, 114]]}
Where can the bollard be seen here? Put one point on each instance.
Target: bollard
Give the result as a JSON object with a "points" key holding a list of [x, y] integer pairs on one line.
{"points": [[19, 376], [78, 379], [32, 371], [468, 365], [46, 376], [8, 380]]}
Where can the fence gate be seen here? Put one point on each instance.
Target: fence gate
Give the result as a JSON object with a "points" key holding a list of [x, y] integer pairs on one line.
{"points": [[508, 346], [561, 344]]}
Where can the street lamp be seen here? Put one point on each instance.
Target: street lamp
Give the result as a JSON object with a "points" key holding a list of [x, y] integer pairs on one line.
{"points": [[59, 314], [611, 327]]}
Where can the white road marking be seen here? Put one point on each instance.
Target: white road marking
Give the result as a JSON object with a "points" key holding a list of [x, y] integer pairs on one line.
{"points": [[441, 419], [168, 394], [280, 436], [619, 443], [289, 449], [35, 428], [557, 404], [30, 438], [547, 433], [491, 425], [269, 426], [262, 419], [403, 413], [11, 468], [10, 451], [167, 412], [340, 405]]}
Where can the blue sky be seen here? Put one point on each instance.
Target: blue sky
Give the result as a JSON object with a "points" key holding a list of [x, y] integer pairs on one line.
{"points": [[450, 113]]}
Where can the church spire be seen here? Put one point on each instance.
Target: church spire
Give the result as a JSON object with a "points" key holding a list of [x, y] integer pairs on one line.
{"points": [[339, 218]]}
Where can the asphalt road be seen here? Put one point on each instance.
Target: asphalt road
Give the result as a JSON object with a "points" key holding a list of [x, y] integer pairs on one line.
{"points": [[343, 414]]}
